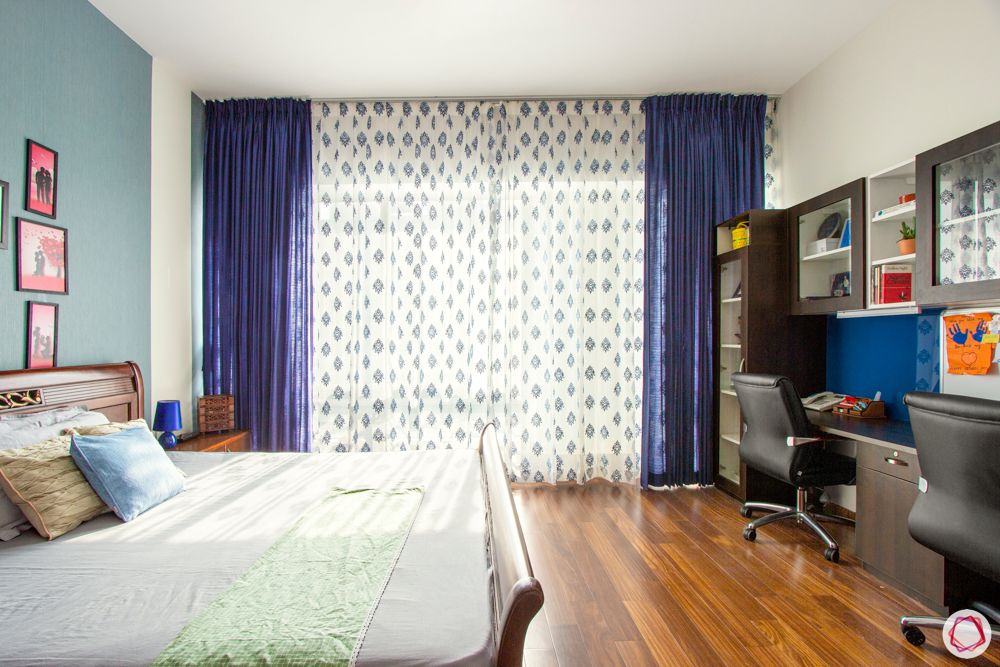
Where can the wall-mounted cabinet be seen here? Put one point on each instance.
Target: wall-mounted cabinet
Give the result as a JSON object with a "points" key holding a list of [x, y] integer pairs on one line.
{"points": [[827, 240], [958, 220]]}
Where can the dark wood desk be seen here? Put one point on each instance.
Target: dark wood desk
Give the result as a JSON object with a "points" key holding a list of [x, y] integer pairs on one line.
{"points": [[888, 472], [888, 432]]}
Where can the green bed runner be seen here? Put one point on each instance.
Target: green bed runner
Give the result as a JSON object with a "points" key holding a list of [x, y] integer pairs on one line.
{"points": [[309, 598]]}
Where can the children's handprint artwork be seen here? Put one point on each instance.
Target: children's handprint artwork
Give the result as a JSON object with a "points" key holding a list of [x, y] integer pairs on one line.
{"points": [[968, 352]]}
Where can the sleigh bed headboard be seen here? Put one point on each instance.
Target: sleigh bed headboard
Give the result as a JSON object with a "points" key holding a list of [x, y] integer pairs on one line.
{"points": [[517, 594], [113, 389]]}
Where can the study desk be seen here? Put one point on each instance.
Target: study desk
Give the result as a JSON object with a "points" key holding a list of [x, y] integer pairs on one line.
{"points": [[887, 476]]}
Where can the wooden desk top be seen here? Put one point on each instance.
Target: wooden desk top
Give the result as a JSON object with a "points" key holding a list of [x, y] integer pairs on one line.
{"points": [[889, 432]]}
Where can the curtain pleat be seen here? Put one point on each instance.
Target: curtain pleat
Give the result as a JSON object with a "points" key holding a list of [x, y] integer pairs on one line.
{"points": [[704, 164], [258, 266]]}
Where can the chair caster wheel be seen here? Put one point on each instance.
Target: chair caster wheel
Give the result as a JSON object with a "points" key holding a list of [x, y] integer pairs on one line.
{"points": [[914, 636], [832, 555], [749, 534], [746, 512]]}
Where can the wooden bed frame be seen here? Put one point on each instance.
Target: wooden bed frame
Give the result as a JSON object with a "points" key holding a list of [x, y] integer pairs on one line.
{"points": [[116, 390], [113, 389]]}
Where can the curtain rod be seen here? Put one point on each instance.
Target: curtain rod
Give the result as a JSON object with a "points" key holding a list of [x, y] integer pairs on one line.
{"points": [[502, 98]]}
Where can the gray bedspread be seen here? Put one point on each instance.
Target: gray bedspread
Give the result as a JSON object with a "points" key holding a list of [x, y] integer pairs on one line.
{"points": [[110, 593]]}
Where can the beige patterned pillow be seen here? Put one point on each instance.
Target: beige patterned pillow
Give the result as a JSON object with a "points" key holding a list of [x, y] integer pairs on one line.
{"points": [[106, 429], [44, 482]]}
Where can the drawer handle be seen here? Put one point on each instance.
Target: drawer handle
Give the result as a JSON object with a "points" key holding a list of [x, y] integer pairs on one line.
{"points": [[895, 462]]}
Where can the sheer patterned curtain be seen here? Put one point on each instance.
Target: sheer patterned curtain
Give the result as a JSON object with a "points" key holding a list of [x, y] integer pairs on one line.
{"points": [[772, 156], [481, 261]]}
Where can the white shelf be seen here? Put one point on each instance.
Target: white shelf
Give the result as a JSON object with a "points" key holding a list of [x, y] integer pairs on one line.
{"points": [[727, 392], [731, 437], [905, 212], [969, 218], [893, 306], [829, 255], [735, 299], [731, 346], [898, 259]]}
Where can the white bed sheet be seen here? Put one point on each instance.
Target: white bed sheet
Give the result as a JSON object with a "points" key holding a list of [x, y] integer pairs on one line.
{"points": [[110, 593]]}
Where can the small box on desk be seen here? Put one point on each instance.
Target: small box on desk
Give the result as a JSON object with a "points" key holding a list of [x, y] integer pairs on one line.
{"points": [[862, 408], [216, 413]]}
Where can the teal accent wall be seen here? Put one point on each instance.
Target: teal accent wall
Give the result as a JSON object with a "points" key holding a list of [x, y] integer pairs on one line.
{"points": [[197, 225], [70, 79]]}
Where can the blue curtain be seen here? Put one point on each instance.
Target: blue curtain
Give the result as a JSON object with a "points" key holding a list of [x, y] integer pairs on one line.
{"points": [[258, 266], [704, 164]]}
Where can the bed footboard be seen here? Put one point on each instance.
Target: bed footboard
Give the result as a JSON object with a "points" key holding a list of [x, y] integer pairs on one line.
{"points": [[517, 595]]}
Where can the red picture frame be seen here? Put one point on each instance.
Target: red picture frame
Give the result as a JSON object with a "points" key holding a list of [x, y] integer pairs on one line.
{"points": [[42, 257], [42, 335], [41, 179]]}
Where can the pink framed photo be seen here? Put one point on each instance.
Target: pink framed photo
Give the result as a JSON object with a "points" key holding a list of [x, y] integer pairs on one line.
{"points": [[42, 263], [41, 180], [42, 334]]}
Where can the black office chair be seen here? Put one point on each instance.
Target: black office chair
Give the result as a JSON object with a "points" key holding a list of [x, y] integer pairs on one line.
{"points": [[780, 442], [958, 513]]}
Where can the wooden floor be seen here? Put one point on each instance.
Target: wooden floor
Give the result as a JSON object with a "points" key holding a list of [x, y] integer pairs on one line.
{"points": [[665, 578]]}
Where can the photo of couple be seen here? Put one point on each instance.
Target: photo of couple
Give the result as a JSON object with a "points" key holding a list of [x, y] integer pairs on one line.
{"points": [[41, 180]]}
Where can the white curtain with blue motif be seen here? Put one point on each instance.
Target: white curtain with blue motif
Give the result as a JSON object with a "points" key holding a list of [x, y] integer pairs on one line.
{"points": [[480, 261]]}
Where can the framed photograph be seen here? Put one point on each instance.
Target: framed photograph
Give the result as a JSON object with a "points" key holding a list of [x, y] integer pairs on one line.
{"points": [[42, 335], [42, 263], [4, 213], [840, 284], [41, 180]]}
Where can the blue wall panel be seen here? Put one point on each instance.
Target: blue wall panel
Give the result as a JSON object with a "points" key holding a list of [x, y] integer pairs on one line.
{"points": [[73, 81], [893, 355]]}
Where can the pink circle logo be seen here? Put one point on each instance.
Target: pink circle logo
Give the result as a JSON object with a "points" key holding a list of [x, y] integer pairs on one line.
{"points": [[966, 634]]}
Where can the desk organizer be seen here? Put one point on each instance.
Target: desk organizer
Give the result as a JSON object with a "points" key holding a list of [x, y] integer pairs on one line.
{"points": [[872, 409]]}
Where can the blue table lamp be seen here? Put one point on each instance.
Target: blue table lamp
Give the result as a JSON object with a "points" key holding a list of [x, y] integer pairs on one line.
{"points": [[168, 420]]}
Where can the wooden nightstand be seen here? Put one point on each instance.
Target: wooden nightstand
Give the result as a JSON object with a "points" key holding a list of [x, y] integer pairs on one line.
{"points": [[229, 441]]}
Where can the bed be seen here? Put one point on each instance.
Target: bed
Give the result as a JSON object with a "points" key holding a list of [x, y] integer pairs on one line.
{"points": [[461, 590]]}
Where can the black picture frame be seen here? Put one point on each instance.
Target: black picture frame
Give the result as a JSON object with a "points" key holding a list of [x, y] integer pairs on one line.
{"points": [[36, 204], [4, 213], [30, 339], [34, 283]]}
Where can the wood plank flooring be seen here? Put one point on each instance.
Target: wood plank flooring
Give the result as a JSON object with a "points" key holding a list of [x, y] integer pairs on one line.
{"points": [[666, 578]]}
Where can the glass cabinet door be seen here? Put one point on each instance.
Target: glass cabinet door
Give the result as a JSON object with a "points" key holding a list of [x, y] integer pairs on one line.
{"points": [[827, 239], [961, 226], [730, 355]]}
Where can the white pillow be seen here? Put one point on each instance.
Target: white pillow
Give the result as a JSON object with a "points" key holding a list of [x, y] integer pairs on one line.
{"points": [[24, 431], [43, 418]]}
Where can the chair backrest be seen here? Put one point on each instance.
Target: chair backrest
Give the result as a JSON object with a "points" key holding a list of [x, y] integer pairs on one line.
{"points": [[772, 411], [958, 448]]}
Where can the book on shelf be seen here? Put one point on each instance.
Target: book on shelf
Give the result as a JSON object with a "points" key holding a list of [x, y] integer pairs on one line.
{"points": [[892, 283], [892, 210]]}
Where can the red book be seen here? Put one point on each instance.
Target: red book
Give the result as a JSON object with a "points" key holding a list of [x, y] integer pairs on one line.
{"points": [[897, 283]]}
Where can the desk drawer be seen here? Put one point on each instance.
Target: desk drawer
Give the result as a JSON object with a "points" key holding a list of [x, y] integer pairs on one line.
{"points": [[898, 463]]}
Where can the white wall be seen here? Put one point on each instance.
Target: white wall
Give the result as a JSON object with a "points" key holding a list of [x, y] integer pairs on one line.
{"points": [[919, 75], [170, 239]]}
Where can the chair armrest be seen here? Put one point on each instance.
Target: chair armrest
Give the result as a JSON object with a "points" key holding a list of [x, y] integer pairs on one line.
{"points": [[792, 441]]}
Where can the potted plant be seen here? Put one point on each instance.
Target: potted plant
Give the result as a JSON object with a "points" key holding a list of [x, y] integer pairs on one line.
{"points": [[907, 243]]}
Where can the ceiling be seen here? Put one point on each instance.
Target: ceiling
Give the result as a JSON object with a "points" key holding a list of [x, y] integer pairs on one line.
{"points": [[488, 48]]}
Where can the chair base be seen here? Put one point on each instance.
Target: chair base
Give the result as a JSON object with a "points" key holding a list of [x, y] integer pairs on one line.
{"points": [[910, 625], [800, 514]]}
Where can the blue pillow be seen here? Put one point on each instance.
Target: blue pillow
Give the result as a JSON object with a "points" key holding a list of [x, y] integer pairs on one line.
{"points": [[128, 470]]}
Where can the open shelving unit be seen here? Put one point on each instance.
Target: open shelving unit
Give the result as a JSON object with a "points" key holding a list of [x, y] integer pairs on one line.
{"points": [[884, 216]]}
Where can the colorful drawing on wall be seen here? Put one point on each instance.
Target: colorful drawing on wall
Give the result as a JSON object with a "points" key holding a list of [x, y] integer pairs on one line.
{"points": [[42, 335], [42, 262], [41, 180], [4, 213], [969, 350]]}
